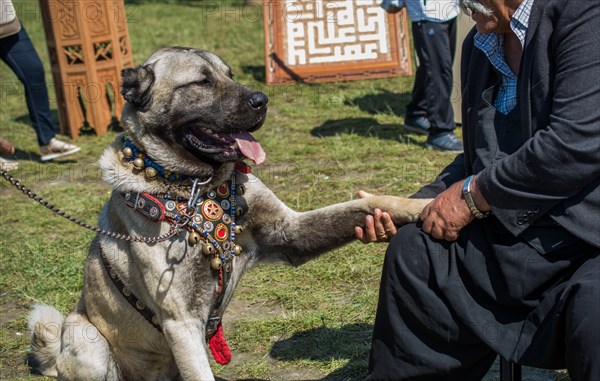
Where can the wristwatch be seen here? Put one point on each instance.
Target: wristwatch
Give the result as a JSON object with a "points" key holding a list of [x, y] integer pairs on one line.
{"points": [[466, 191]]}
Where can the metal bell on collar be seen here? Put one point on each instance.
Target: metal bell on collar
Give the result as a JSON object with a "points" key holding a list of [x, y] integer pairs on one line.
{"points": [[208, 249], [237, 249], [194, 238], [216, 263]]}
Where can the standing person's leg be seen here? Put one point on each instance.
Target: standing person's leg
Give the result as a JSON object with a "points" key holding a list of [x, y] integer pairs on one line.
{"points": [[20, 55], [435, 43], [416, 110], [435, 47]]}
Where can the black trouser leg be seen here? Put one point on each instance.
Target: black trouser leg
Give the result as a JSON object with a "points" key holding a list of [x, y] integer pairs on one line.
{"points": [[435, 44], [582, 315], [446, 308], [416, 334], [565, 328], [418, 104]]}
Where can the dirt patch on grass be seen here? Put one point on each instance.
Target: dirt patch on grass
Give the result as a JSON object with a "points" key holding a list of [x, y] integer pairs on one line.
{"points": [[9, 309]]}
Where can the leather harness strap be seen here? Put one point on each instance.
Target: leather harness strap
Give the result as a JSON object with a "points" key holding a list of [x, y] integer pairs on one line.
{"points": [[135, 302], [214, 319]]}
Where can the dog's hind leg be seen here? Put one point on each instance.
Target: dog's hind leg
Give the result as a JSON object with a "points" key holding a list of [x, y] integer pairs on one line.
{"points": [[85, 353]]}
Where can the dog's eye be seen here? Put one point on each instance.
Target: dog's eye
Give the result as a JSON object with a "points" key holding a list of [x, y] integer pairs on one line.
{"points": [[203, 82]]}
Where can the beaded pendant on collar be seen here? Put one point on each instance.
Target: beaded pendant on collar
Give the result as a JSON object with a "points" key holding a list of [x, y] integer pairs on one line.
{"points": [[212, 221], [141, 161]]}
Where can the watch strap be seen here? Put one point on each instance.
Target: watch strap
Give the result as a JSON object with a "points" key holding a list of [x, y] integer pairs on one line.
{"points": [[466, 191]]}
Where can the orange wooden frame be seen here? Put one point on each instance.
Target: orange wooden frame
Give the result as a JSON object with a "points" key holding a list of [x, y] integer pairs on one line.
{"points": [[278, 71]]}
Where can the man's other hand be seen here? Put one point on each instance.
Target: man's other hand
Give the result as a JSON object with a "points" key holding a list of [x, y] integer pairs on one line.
{"points": [[447, 214]]}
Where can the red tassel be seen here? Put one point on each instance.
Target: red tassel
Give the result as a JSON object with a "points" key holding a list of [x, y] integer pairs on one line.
{"points": [[219, 348]]}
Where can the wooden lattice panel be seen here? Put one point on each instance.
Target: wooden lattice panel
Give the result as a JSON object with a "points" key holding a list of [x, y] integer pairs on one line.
{"points": [[332, 40], [88, 45]]}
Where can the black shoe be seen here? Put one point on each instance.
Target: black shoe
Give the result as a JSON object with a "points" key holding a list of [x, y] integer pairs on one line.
{"points": [[446, 141], [418, 125]]}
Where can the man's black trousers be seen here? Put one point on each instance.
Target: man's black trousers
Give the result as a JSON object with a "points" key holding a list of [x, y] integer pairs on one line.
{"points": [[435, 44], [447, 308]]}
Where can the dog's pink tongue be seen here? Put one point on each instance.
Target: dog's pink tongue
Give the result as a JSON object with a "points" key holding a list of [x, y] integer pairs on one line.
{"points": [[249, 147]]}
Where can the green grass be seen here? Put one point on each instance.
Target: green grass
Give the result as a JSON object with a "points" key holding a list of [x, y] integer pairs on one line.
{"points": [[323, 143]]}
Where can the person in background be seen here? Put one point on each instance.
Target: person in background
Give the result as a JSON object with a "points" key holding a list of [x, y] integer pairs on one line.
{"points": [[434, 37], [17, 51], [506, 260]]}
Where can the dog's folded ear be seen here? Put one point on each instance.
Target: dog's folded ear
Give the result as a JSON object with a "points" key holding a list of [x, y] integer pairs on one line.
{"points": [[136, 86]]}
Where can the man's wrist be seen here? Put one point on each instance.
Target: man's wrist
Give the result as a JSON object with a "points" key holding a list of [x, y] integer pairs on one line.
{"points": [[468, 196], [480, 201]]}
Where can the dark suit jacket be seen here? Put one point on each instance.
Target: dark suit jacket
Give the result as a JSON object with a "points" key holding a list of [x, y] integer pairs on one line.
{"points": [[556, 170]]}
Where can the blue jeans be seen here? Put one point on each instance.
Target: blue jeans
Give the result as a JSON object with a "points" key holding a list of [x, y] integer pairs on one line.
{"points": [[20, 55]]}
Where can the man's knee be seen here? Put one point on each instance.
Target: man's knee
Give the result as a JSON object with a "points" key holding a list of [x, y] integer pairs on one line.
{"points": [[408, 253]]}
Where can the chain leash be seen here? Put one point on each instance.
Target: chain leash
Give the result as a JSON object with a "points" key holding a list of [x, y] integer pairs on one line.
{"points": [[124, 237]]}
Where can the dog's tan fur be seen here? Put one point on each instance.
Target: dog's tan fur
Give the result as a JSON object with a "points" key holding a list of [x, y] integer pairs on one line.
{"points": [[104, 338]]}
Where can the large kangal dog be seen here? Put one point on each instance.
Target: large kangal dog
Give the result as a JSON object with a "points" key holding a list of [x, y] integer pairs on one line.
{"points": [[152, 310]]}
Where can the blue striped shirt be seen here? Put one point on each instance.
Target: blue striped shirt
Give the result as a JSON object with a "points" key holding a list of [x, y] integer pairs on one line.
{"points": [[492, 45]]}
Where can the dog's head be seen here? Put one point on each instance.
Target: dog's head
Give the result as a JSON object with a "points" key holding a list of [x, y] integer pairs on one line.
{"points": [[186, 101]]}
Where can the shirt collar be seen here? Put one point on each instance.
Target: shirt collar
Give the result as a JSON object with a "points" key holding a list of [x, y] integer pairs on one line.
{"points": [[519, 23], [520, 20]]}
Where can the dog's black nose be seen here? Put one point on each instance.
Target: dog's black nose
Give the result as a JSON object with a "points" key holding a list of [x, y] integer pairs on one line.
{"points": [[258, 100]]}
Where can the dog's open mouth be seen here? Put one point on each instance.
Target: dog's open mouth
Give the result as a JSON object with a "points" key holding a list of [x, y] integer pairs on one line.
{"points": [[228, 147]]}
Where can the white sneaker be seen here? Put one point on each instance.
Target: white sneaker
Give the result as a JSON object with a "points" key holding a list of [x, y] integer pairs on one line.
{"points": [[57, 148]]}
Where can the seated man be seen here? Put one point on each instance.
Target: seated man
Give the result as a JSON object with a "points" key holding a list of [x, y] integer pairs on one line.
{"points": [[506, 260]]}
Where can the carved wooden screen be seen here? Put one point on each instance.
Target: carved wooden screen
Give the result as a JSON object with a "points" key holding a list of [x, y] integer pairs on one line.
{"points": [[332, 40], [88, 45]]}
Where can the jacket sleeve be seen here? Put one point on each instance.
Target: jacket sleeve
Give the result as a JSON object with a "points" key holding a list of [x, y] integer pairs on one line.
{"points": [[454, 172], [559, 160]]}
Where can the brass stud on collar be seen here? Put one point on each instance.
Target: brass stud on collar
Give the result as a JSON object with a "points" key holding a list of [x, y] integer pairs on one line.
{"points": [[128, 152], [238, 229], [241, 189], [138, 163], [239, 211], [151, 172]]}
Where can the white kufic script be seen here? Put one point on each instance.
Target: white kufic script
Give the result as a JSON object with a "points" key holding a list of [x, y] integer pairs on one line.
{"points": [[329, 31]]}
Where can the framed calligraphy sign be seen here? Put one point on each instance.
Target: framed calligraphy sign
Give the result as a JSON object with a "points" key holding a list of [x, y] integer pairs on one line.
{"points": [[333, 40]]}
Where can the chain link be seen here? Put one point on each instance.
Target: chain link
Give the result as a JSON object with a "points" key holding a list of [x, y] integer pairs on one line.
{"points": [[124, 237]]}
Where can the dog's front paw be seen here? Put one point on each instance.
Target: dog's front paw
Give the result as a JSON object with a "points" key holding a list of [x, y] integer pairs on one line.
{"points": [[402, 210]]}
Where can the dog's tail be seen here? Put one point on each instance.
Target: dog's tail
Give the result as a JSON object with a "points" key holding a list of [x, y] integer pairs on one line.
{"points": [[45, 325]]}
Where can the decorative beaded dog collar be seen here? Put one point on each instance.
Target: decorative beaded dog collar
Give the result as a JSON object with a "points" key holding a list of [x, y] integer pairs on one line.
{"points": [[143, 162], [209, 218]]}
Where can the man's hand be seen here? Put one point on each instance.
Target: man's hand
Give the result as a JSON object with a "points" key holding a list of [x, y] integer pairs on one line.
{"points": [[447, 214], [379, 227]]}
